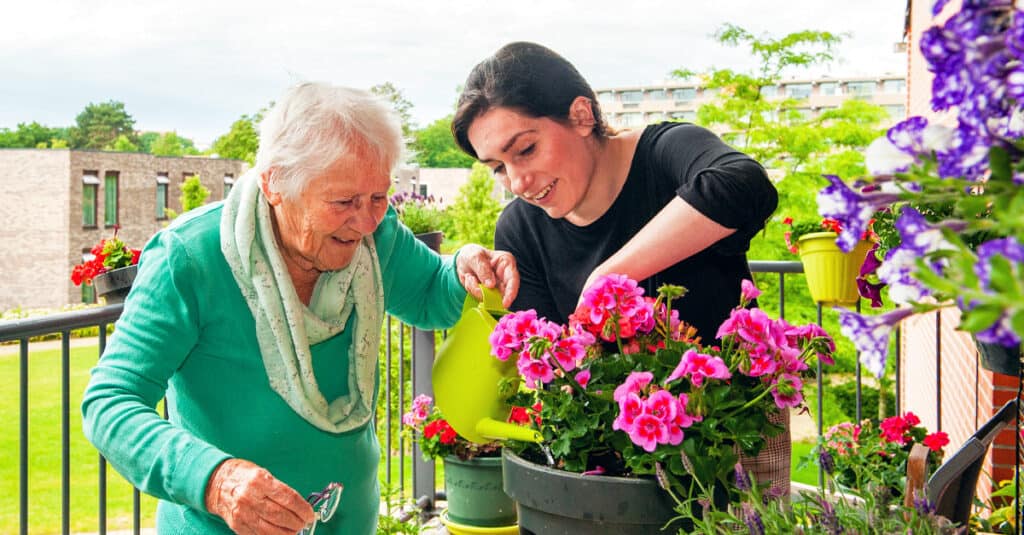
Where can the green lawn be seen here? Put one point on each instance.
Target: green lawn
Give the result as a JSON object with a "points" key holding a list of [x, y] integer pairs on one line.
{"points": [[808, 474], [45, 449]]}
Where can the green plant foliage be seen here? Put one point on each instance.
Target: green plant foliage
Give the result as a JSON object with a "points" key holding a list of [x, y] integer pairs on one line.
{"points": [[475, 212], [123, 144], [242, 140], [33, 135], [193, 195], [845, 395], [171, 144], [99, 125], [399, 103], [434, 146]]}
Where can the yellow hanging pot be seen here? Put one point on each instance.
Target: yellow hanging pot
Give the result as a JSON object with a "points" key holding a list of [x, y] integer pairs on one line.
{"points": [[831, 274]]}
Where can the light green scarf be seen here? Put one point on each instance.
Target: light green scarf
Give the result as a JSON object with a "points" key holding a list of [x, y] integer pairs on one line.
{"points": [[285, 328]]}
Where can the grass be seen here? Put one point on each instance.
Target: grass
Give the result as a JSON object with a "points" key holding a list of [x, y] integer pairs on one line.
{"points": [[44, 447], [807, 474]]}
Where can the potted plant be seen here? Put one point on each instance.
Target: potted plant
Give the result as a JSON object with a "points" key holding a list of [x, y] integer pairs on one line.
{"points": [[831, 273], [111, 270], [423, 215], [872, 457], [472, 472], [640, 419]]}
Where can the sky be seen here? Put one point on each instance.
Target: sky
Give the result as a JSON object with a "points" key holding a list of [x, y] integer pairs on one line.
{"points": [[196, 66]]}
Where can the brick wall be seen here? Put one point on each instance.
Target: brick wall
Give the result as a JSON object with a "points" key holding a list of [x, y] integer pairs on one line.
{"points": [[33, 233]]}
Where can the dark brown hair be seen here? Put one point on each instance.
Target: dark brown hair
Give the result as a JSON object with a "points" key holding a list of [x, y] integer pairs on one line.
{"points": [[528, 78]]}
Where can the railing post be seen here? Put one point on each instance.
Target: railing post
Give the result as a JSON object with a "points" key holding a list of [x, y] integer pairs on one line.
{"points": [[422, 362]]}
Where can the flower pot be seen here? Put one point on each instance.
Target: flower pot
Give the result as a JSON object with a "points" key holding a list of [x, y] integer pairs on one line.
{"points": [[114, 285], [432, 239], [999, 358], [831, 274], [556, 502], [474, 493]]}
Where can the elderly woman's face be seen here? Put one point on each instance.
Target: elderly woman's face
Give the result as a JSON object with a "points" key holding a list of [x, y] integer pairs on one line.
{"points": [[322, 228]]}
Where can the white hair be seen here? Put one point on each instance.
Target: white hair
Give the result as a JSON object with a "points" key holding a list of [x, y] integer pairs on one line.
{"points": [[313, 124]]}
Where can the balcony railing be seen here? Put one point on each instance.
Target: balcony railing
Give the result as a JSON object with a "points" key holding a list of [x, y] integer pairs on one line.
{"points": [[405, 375]]}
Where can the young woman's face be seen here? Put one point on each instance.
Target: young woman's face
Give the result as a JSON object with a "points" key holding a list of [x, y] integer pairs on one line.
{"points": [[542, 161]]}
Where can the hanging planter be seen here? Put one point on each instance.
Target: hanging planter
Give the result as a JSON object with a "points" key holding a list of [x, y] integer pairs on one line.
{"points": [[115, 284], [476, 501], [831, 274], [999, 358]]}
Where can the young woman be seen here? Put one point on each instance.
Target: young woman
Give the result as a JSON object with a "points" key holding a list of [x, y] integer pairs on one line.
{"points": [[671, 203]]}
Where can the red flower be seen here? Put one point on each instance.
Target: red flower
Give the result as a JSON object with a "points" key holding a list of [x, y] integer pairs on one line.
{"points": [[936, 441], [519, 416], [894, 429]]}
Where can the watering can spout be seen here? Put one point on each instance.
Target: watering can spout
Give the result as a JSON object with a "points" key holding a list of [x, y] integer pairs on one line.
{"points": [[498, 430]]}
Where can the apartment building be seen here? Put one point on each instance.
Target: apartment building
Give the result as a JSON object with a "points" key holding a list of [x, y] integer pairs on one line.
{"points": [[635, 106], [55, 204]]}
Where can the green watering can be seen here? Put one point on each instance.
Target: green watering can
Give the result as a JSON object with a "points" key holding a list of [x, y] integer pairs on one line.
{"points": [[466, 376]]}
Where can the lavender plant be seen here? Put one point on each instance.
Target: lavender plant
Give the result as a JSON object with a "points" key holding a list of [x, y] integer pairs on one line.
{"points": [[973, 167]]}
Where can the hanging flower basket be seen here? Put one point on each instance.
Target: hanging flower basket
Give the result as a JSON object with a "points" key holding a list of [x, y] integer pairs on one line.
{"points": [[831, 273], [115, 284]]}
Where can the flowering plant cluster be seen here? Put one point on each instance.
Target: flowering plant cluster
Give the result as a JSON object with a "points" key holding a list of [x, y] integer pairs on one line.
{"points": [[108, 254], [974, 166], [824, 511], [418, 212], [799, 229], [874, 457], [627, 389], [437, 438]]}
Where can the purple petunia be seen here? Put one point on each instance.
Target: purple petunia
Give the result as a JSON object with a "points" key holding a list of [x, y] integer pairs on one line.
{"points": [[853, 210], [1001, 331], [870, 335]]}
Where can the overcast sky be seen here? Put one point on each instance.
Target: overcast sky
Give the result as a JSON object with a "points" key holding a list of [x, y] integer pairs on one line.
{"points": [[196, 66]]}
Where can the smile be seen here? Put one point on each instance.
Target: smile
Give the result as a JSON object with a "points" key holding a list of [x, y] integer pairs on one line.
{"points": [[544, 192]]}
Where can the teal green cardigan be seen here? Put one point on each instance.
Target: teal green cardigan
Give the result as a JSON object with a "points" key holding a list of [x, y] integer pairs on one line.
{"points": [[187, 333]]}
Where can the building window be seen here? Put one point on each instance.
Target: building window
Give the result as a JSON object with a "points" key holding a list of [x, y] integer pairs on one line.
{"points": [[88, 290], [860, 89], [110, 198], [894, 86], [655, 117], [684, 94], [657, 94], [632, 96], [828, 88], [896, 111], [684, 115], [229, 182], [90, 185], [710, 92], [631, 119], [161, 195], [800, 91], [423, 190], [769, 91], [606, 97]]}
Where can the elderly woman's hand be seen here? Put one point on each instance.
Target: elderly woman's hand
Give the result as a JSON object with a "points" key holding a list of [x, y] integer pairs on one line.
{"points": [[252, 501], [495, 269]]}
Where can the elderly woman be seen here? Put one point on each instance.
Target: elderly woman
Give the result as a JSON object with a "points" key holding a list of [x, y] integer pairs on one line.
{"points": [[259, 319]]}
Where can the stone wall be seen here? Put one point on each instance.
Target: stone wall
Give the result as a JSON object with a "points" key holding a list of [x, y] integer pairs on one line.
{"points": [[33, 233]]}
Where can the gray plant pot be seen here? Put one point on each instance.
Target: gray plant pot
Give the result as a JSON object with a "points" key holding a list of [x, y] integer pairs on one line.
{"points": [[556, 502], [999, 358], [432, 239], [114, 285]]}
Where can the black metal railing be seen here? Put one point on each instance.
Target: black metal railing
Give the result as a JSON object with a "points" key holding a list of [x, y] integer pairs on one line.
{"points": [[397, 361]]}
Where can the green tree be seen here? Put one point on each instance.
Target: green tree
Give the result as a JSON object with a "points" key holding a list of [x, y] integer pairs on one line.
{"points": [[99, 125], [193, 195], [241, 141], [475, 211], [791, 143], [434, 146], [399, 103], [32, 135], [123, 144], [171, 144], [146, 140]]}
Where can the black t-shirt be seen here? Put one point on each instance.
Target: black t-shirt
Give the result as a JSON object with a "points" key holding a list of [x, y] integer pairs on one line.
{"points": [[555, 257]]}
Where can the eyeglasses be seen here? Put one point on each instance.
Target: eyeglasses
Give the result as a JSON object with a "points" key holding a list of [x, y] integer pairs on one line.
{"points": [[324, 503]]}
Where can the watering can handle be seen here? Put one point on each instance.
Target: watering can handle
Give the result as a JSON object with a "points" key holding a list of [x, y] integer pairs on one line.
{"points": [[492, 301]]}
